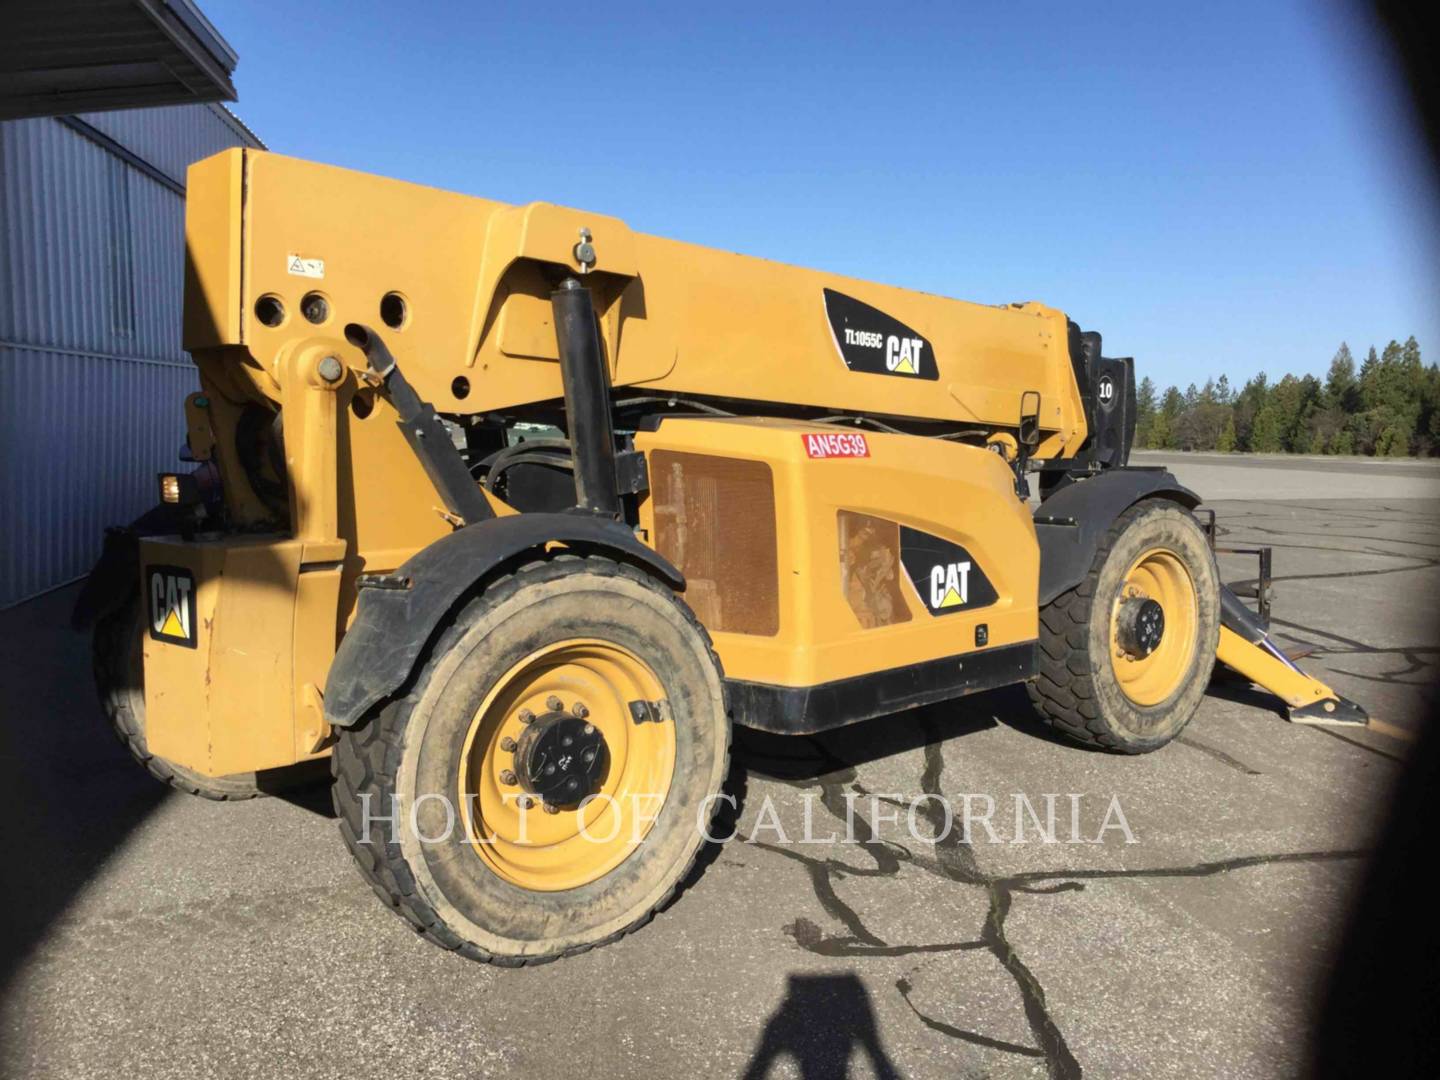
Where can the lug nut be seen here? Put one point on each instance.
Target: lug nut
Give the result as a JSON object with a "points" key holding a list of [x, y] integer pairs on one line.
{"points": [[526, 716], [589, 729], [525, 802], [551, 808], [580, 710], [554, 704], [507, 777], [507, 744]]}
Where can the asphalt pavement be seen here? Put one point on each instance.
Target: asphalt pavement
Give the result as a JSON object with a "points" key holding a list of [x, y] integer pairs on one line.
{"points": [[152, 934]]}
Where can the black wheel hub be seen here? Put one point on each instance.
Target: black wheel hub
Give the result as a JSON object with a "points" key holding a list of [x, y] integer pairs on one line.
{"points": [[1141, 626], [561, 758]]}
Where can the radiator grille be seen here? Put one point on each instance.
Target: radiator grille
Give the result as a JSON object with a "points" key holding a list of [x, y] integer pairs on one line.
{"points": [[715, 520]]}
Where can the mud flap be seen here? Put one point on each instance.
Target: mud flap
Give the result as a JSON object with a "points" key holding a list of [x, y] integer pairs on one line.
{"points": [[1245, 645], [116, 575]]}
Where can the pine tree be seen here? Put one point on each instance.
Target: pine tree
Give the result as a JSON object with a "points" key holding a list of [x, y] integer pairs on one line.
{"points": [[1267, 436], [1389, 390], [1145, 412], [1371, 362], [1247, 404], [1410, 363], [1171, 407], [1340, 381], [1333, 404], [1429, 422], [1390, 407], [1301, 435], [1226, 443]]}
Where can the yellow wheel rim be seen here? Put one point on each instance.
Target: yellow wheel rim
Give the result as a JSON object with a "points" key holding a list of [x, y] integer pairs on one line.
{"points": [[513, 832], [1159, 575]]}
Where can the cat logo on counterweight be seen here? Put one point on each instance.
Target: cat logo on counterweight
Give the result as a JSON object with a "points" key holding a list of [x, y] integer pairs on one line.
{"points": [[171, 592]]}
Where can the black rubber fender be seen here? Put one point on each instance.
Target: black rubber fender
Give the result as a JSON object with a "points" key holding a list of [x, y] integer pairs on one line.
{"points": [[1070, 524], [396, 616], [115, 577]]}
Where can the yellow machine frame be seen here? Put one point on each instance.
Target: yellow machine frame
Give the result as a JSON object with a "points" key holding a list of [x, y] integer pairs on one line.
{"points": [[281, 253]]}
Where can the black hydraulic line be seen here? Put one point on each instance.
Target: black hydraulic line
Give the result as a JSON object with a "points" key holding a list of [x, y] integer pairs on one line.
{"points": [[587, 399], [1239, 618], [880, 425], [554, 455], [423, 431], [673, 401], [498, 461]]}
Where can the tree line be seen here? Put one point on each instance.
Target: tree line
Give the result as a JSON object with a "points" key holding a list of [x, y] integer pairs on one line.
{"points": [[1389, 408]]}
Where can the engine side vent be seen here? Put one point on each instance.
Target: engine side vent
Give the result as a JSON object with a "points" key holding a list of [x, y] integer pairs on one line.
{"points": [[870, 569], [715, 520]]}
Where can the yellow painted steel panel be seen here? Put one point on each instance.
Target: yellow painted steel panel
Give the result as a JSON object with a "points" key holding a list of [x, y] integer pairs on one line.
{"points": [[958, 493], [226, 705], [212, 251], [675, 318]]}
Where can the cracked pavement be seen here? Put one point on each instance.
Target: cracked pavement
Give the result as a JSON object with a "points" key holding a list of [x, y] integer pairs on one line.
{"points": [[157, 934]]}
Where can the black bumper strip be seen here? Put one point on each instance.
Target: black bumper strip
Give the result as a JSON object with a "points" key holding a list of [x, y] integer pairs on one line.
{"points": [[790, 710]]}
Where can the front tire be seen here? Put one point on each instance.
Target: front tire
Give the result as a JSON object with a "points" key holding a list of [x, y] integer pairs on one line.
{"points": [[1102, 681], [455, 813]]}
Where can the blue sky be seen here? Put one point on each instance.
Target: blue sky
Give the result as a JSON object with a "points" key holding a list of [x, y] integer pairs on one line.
{"points": [[1218, 188]]}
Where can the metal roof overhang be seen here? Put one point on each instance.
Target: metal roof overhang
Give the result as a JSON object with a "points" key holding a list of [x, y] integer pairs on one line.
{"points": [[73, 56]]}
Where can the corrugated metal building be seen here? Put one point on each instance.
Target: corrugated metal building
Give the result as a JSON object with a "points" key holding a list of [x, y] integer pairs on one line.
{"points": [[92, 375]]}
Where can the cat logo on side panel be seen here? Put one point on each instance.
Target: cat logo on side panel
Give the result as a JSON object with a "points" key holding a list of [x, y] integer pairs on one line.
{"points": [[946, 577], [949, 585], [171, 593]]}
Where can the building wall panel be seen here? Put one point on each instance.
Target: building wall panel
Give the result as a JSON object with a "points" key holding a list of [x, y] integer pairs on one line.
{"points": [[171, 137], [84, 437], [92, 374], [92, 251]]}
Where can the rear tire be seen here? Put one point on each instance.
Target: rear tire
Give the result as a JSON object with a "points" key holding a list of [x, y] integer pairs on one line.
{"points": [[1089, 688], [117, 651], [572, 629]]}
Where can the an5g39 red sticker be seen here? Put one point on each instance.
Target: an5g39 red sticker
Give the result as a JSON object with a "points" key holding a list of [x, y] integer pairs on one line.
{"points": [[837, 444]]}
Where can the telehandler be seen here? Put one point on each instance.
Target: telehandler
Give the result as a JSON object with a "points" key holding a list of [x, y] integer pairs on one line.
{"points": [[512, 512]]}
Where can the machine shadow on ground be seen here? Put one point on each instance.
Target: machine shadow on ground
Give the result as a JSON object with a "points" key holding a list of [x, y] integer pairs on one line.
{"points": [[58, 763], [820, 1024]]}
